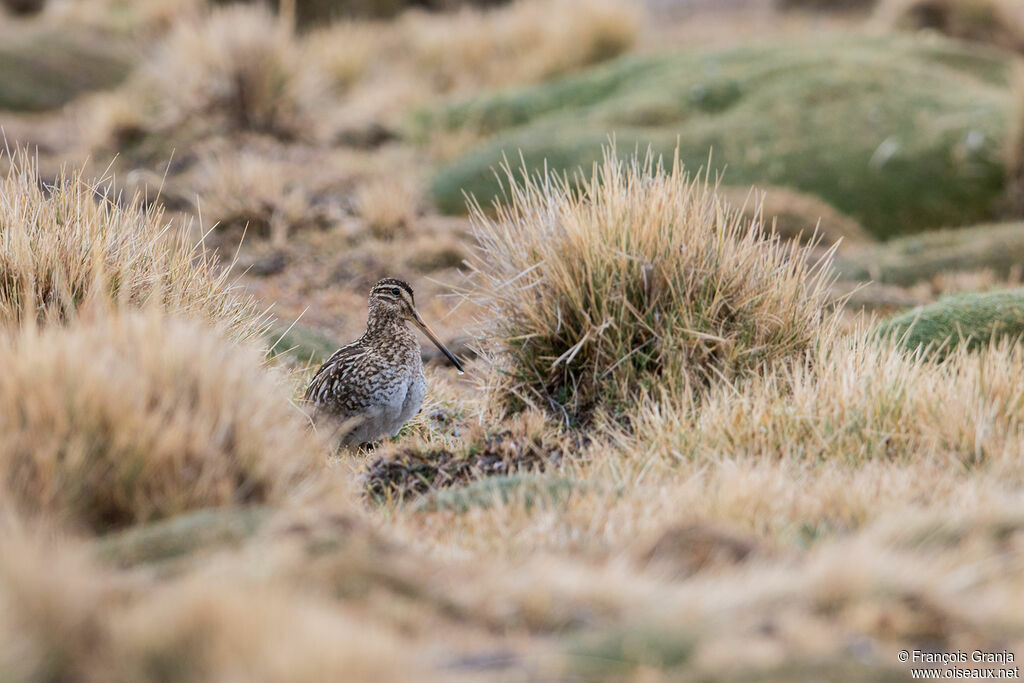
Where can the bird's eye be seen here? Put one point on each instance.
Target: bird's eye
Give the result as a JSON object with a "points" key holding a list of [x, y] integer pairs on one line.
{"points": [[394, 290]]}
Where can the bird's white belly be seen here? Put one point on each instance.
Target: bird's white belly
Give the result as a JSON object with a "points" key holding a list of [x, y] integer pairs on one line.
{"points": [[395, 408], [416, 391]]}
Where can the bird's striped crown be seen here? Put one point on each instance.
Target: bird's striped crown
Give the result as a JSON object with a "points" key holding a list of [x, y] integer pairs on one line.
{"points": [[391, 288]]}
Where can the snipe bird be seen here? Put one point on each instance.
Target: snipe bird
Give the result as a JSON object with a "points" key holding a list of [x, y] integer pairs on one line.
{"points": [[372, 386]]}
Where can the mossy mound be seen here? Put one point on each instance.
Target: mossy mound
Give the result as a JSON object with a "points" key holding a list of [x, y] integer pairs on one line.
{"points": [[907, 260], [869, 125], [971, 320], [182, 535], [43, 68]]}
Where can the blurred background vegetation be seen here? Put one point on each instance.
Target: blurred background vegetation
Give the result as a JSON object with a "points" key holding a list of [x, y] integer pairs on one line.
{"points": [[738, 283]]}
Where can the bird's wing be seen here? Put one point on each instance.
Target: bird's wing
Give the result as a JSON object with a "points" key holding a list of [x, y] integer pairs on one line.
{"points": [[338, 367]]}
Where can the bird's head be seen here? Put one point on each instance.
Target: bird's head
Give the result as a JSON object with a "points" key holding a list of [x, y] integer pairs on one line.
{"points": [[393, 298]]}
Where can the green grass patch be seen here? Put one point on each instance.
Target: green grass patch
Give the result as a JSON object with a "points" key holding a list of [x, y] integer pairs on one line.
{"points": [[614, 653], [181, 536], [901, 133], [43, 68], [303, 344]]}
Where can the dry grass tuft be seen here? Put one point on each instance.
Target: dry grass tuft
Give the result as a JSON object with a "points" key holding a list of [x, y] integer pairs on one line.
{"points": [[135, 417], [250, 193], [389, 205], [115, 124], [796, 215], [346, 51], [530, 40], [213, 629], [640, 280], [64, 245], [991, 22], [52, 601], [381, 67], [384, 70], [62, 617], [238, 69]]}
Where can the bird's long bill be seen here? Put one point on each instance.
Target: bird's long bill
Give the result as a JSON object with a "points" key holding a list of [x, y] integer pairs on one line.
{"points": [[437, 342]]}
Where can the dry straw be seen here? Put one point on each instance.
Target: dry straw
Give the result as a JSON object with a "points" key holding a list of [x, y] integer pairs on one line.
{"points": [[855, 400], [389, 205], [527, 41], [636, 278], [997, 23], [239, 68], [65, 617], [69, 243], [252, 195], [136, 417]]}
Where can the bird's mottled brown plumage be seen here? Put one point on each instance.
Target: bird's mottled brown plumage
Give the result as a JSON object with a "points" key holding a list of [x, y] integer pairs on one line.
{"points": [[375, 384]]}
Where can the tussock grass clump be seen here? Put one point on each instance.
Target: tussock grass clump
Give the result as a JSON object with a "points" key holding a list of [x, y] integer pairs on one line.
{"points": [[423, 53], [252, 194], [52, 607], [991, 22], [638, 278], [389, 206], [796, 215], [237, 69], [281, 636], [347, 50], [867, 586], [71, 243], [65, 617], [135, 417], [528, 41]]}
